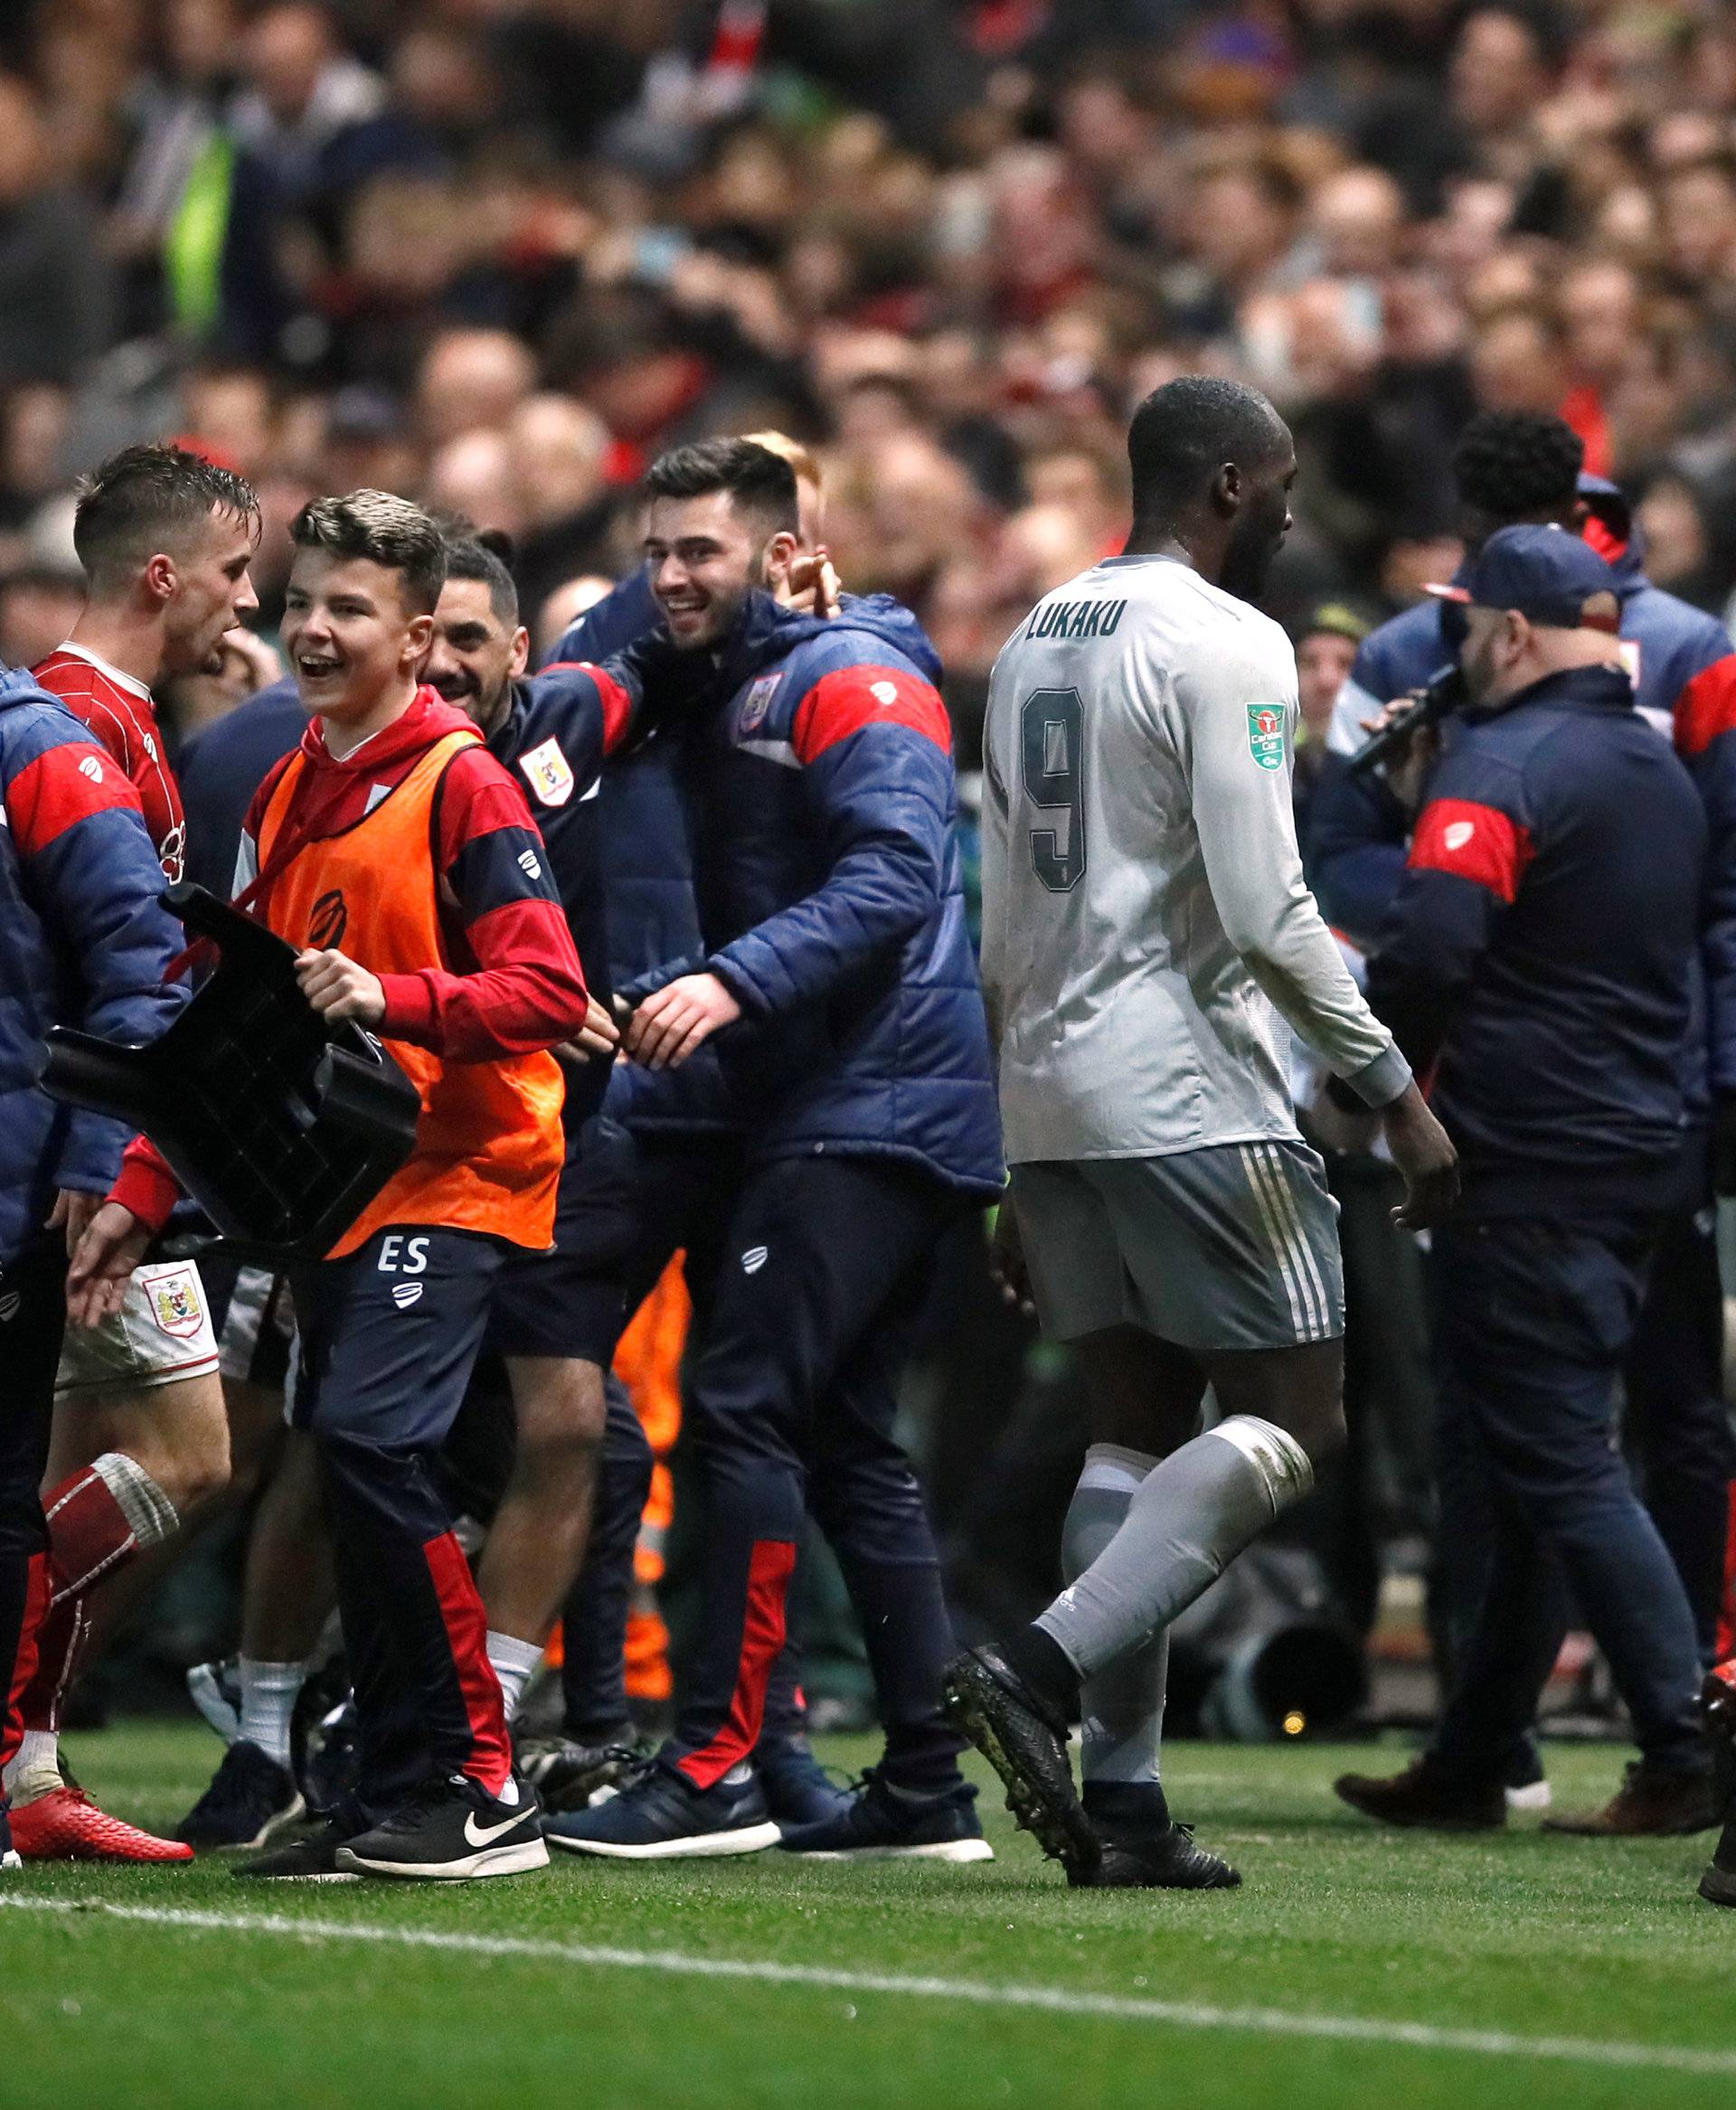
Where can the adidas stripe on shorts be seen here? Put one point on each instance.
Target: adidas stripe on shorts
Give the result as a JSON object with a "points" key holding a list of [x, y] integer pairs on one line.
{"points": [[1232, 1246]]}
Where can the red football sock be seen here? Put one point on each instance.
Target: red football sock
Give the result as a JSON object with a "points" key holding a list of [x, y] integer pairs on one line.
{"points": [[89, 1538], [12, 1726]]}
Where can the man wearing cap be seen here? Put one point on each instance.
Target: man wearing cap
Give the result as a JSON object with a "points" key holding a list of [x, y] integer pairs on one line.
{"points": [[1538, 960]]}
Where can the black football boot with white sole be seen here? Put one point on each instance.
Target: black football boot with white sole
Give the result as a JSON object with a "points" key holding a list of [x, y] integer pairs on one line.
{"points": [[568, 1774]]}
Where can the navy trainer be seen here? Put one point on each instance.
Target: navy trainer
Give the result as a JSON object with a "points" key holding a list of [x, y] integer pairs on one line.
{"points": [[879, 1821], [661, 1815], [798, 1788]]}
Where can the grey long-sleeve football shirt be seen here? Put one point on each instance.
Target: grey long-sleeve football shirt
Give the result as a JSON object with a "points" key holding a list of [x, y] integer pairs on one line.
{"points": [[1144, 909]]}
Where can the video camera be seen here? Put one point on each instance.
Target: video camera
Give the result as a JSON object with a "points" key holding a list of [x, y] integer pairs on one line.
{"points": [[1444, 696]]}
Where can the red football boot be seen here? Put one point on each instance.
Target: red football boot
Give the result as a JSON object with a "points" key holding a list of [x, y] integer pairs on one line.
{"points": [[65, 1824]]}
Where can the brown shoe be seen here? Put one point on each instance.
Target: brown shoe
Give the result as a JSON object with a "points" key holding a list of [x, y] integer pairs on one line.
{"points": [[1424, 1798], [1650, 1803]]}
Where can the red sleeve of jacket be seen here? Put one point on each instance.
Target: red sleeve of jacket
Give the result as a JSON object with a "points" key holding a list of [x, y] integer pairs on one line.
{"points": [[615, 705], [145, 1184], [526, 991]]}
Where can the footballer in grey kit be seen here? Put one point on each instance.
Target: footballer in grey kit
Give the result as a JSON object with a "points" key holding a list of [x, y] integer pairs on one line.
{"points": [[1147, 942]]}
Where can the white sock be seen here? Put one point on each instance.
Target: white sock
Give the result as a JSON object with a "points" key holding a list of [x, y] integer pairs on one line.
{"points": [[34, 1768], [512, 1660], [269, 1696]]}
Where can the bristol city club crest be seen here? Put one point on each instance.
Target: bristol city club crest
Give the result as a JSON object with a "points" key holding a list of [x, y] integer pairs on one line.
{"points": [[756, 703], [174, 1304], [1266, 735], [548, 773]]}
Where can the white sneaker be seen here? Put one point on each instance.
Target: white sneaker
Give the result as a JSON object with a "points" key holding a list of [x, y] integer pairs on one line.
{"points": [[1536, 1794]]}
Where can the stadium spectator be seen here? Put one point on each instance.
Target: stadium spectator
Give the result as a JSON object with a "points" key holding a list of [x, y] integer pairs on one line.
{"points": [[56, 291], [1401, 220]]}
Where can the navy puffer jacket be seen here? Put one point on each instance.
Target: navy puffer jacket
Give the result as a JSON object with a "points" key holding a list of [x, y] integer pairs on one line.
{"points": [[820, 793]]}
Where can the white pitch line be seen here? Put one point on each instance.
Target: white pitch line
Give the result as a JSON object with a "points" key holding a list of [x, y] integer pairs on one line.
{"points": [[1050, 1999]]}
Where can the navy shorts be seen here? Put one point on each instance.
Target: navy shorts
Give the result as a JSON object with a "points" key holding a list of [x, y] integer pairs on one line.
{"points": [[391, 1332], [570, 1302]]}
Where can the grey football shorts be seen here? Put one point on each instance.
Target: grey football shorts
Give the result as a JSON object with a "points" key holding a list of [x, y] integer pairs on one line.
{"points": [[1233, 1245]]}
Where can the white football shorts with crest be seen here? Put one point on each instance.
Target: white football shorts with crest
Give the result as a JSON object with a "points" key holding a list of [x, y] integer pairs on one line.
{"points": [[161, 1335]]}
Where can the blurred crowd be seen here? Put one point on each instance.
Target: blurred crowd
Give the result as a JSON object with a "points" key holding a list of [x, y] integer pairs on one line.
{"points": [[494, 253]]}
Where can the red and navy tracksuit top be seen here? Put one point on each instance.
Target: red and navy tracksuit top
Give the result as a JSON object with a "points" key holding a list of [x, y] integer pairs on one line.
{"points": [[83, 942], [1538, 956]]}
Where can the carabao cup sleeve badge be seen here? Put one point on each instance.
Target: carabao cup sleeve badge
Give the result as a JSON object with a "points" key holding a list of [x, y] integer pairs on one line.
{"points": [[1266, 735]]}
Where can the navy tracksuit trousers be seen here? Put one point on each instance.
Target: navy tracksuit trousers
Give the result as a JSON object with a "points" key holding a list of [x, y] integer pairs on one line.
{"points": [[1533, 1320], [389, 1337], [812, 1308]]}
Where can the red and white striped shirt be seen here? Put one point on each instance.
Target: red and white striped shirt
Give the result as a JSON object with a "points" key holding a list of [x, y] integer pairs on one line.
{"points": [[122, 716]]}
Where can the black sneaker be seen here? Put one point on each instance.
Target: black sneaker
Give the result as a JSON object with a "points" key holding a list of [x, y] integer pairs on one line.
{"points": [[311, 1858], [1142, 1848], [883, 1822], [1027, 1745], [566, 1773], [250, 1796], [452, 1831], [1718, 1885], [799, 1791], [660, 1815]]}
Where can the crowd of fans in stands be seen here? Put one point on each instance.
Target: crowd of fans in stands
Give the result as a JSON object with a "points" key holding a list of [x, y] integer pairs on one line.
{"points": [[494, 253]]}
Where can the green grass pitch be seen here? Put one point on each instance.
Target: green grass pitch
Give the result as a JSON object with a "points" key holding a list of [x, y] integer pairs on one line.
{"points": [[1542, 1971]]}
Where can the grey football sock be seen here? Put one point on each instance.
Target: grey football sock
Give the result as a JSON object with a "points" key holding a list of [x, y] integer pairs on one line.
{"points": [[1122, 1708], [1190, 1518]]}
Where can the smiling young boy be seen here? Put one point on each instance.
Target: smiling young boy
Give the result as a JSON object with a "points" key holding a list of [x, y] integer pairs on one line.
{"points": [[401, 859]]}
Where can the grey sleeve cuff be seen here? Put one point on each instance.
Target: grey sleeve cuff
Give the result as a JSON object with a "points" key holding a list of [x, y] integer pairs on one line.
{"points": [[1383, 1080]]}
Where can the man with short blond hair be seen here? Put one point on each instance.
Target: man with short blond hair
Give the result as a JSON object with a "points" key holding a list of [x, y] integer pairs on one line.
{"points": [[139, 1436]]}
